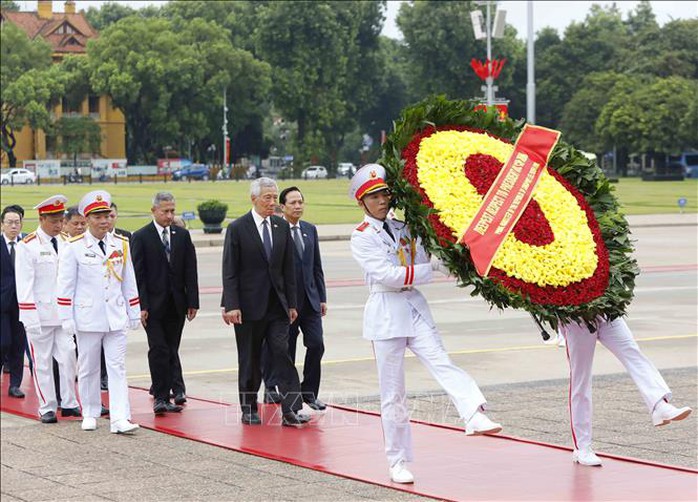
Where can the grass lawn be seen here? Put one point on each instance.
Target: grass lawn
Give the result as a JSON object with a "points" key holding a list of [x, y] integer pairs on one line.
{"points": [[327, 200]]}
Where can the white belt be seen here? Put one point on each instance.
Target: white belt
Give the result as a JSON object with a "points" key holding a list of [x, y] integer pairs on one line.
{"points": [[380, 288]]}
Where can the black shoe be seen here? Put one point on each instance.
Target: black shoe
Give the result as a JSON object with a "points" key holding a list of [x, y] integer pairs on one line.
{"points": [[180, 398], [316, 405], [294, 419], [272, 397], [251, 418], [70, 412], [49, 418], [15, 392], [161, 406], [104, 384], [104, 411]]}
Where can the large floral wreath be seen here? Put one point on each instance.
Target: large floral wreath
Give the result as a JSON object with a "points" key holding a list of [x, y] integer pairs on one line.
{"points": [[568, 258]]}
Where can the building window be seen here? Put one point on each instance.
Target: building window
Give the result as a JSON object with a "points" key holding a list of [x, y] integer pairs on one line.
{"points": [[94, 104], [70, 107], [65, 29]]}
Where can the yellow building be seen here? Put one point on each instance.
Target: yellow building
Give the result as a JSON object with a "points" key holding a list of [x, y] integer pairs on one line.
{"points": [[67, 33]]}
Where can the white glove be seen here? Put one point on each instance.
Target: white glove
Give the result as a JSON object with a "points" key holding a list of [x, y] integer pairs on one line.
{"points": [[134, 324], [68, 326], [438, 266]]}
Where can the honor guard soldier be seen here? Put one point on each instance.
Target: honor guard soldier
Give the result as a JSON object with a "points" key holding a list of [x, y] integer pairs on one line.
{"points": [[36, 270], [98, 300], [397, 317]]}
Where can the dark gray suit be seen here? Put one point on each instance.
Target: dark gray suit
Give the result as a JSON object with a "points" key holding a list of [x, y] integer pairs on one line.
{"points": [[264, 290]]}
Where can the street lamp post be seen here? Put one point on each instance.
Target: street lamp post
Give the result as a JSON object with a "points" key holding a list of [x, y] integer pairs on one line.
{"points": [[225, 129], [530, 64]]}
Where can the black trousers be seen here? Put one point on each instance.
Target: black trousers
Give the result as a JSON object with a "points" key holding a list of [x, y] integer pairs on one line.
{"points": [[310, 323], [164, 336], [250, 336], [13, 342]]}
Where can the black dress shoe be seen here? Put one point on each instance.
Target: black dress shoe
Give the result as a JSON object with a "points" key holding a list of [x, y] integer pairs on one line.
{"points": [[293, 419], [70, 412], [272, 397], [251, 418], [161, 406], [316, 405], [104, 411], [180, 398], [15, 392], [49, 418]]}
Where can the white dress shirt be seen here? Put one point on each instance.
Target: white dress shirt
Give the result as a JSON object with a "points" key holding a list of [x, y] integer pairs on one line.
{"points": [[260, 228]]}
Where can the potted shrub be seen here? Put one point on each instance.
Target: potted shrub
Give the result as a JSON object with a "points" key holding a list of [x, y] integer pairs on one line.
{"points": [[212, 213]]}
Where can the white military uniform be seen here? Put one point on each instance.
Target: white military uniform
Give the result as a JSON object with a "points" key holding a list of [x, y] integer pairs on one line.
{"points": [[616, 337], [397, 317], [98, 292], [36, 269]]}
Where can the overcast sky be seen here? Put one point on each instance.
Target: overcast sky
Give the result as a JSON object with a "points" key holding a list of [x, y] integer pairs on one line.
{"points": [[545, 13]]}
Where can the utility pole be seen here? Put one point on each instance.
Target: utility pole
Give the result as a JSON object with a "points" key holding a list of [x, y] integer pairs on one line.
{"points": [[531, 82], [489, 81]]}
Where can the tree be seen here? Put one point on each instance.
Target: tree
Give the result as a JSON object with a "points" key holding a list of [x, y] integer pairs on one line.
{"points": [[9, 5], [168, 77], [28, 84], [76, 135]]}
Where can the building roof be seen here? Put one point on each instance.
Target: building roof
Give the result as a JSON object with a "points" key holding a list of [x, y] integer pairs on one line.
{"points": [[65, 33]]}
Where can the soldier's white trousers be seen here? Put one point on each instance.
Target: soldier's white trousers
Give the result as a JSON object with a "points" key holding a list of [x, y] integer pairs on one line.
{"points": [[45, 344], [89, 346], [429, 349], [616, 337]]}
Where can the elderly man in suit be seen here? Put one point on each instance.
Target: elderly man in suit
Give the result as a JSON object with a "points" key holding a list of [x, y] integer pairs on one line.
{"points": [[165, 262], [259, 299], [12, 337], [311, 298]]}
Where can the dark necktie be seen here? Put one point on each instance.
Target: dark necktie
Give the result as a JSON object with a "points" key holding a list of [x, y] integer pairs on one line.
{"points": [[266, 239], [54, 242], [166, 243], [386, 227], [101, 246], [298, 239], [12, 252]]}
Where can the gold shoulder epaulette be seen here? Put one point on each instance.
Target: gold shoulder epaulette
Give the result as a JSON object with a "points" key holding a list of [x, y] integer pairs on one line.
{"points": [[122, 237], [76, 238], [29, 237], [65, 236]]}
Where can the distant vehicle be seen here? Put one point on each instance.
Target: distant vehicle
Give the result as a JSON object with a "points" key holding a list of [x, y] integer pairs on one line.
{"points": [[345, 169], [314, 173], [689, 162], [18, 175], [193, 171]]}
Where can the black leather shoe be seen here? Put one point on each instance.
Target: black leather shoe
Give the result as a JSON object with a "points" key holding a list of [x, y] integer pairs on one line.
{"points": [[251, 418], [15, 392], [293, 419], [272, 397], [104, 384], [49, 418], [316, 405], [104, 411], [161, 406], [180, 398], [70, 412]]}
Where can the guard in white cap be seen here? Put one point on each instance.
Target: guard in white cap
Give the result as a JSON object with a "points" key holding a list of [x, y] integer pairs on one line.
{"points": [[36, 268], [397, 317], [98, 300]]}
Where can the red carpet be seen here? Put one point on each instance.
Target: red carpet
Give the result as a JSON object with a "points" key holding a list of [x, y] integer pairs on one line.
{"points": [[448, 464]]}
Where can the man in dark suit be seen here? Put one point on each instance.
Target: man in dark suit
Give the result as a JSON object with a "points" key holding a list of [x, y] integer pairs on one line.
{"points": [[164, 259], [12, 337], [311, 300], [259, 299]]}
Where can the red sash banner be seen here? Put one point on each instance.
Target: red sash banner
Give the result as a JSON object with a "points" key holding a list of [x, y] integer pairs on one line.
{"points": [[509, 195]]}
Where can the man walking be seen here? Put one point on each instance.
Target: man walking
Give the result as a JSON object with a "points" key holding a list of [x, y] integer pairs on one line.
{"points": [[36, 271], [311, 300], [12, 338], [98, 300], [259, 299], [164, 259], [397, 317]]}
